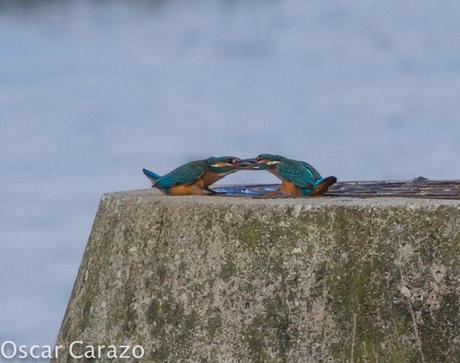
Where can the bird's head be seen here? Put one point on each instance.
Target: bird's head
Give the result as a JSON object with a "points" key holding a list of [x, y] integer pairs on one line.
{"points": [[268, 161], [223, 164]]}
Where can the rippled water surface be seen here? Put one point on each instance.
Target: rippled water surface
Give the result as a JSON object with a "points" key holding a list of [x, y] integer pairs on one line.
{"points": [[91, 92]]}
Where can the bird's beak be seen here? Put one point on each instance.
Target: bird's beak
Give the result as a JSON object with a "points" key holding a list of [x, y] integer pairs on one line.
{"points": [[249, 164]]}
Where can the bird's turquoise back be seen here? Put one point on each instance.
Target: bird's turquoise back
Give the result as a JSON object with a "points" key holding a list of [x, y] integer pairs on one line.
{"points": [[183, 175], [313, 172], [299, 173]]}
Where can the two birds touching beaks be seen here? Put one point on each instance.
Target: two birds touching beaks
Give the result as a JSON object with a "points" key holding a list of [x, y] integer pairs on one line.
{"points": [[299, 179]]}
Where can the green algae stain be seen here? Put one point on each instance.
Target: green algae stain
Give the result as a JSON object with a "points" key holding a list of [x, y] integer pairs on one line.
{"points": [[130, 317], [161, 271], [438, 328], [228, 270], [251, 234], [353, 291], [85, 315], [255, 234], [183, 266], [359, 290], [270, 243], [255, 343], [168, 322], [152, 315], [214, 322], [268, 334]]}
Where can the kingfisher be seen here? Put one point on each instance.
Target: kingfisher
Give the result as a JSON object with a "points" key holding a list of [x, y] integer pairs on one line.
{"points": [[195, 177], [298, 177]]}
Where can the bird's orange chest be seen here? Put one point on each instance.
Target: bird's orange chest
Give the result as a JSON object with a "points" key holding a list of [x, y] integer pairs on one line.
{"points": [[182, 190], [197, 187], [289, 189], [207, 179]]}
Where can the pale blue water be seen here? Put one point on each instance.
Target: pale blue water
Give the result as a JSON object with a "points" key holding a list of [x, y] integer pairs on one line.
{"points": [[91, 92]]}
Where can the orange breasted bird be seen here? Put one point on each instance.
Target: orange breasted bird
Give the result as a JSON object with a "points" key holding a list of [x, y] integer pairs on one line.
{"points": [[195, 177], [298, 178]]}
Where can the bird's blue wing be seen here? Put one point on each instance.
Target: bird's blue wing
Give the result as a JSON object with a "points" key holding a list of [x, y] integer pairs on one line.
{"points": [[184, 174], [296, 173]]}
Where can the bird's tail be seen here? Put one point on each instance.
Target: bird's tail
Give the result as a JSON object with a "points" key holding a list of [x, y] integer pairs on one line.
{"points": [[323, 185], [151, 175]]}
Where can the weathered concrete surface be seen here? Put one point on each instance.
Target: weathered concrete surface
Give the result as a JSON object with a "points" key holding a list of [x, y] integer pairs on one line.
{"points": [[212, 279]]}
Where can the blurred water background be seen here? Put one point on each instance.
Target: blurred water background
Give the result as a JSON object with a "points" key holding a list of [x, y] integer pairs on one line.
{"points": [[92, 91]]}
